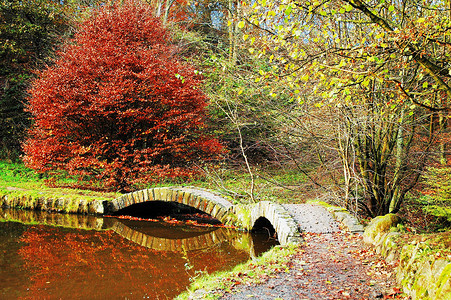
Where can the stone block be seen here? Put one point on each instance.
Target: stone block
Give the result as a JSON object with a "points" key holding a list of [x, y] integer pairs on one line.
{"points": [[215, 210], [201, 203], [209, 207], [180, 197], [173, 194], [157, 194], [187, 198], [150, 195], [163, 194], [129, 199], [169, 195], [138, 238], [140, 196], [95, 207]]}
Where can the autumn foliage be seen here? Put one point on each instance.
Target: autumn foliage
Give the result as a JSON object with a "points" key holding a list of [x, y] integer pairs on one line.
{"points": [[118, 105]]}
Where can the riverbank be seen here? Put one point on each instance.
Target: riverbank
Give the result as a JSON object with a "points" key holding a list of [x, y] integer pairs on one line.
{"points": [[385, 262], [424, 258]]}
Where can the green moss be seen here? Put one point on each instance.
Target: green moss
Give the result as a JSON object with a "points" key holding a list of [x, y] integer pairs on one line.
{"points": [[243, 214], [380, 225], [444, 284]]}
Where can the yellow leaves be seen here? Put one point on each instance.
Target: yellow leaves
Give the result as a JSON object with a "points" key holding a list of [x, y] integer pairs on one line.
{"points": [[241, 24], [380, 35], [421, 20], [271, 13]]}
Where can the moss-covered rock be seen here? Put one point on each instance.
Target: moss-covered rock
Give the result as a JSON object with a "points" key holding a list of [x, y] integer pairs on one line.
{"points": [[380, 226]]}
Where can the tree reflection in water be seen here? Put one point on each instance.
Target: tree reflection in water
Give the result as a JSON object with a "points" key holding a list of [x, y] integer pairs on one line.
{"points": [[65, 262]]}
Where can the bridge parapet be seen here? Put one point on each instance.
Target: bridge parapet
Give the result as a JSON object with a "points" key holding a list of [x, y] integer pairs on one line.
{"points": [[286, 228]]}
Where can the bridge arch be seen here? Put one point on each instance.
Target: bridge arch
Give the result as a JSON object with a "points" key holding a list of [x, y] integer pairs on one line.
{"points": [[286, 228], [201, 199]]}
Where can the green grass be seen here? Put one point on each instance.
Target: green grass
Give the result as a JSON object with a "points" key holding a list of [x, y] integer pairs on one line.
{"points": [[277, 185], [17, 180]]}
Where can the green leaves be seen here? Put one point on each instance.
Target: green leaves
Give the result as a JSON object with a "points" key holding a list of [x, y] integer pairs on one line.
{"points": [[288, 10]]}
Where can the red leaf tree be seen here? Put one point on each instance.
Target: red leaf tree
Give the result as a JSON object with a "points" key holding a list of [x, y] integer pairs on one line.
{"points": [[118, 105]]}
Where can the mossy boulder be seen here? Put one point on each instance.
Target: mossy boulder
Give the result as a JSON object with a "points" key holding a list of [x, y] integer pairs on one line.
{"points": [[380, 226]]}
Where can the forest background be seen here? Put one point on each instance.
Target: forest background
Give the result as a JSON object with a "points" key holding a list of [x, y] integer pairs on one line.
{"points": [[338, 100]]}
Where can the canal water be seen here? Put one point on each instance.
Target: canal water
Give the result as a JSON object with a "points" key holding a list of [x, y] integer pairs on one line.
{"points": [[60, 256]]}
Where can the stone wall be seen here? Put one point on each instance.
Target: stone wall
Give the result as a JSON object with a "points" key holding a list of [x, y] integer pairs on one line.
{"points": [[61, 205], [422, 271]]}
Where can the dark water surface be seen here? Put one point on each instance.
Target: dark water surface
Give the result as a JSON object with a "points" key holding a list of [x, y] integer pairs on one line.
{"points": [[108, 258]]}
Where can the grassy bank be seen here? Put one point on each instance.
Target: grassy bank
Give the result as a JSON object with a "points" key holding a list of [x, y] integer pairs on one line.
{"points": [[257, 270], [18, 180], [278, 185]]}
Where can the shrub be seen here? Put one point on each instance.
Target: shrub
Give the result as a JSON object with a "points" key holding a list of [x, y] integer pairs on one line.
{"points": [[118, 105]]}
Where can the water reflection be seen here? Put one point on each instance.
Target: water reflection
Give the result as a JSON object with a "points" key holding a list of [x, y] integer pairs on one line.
{"points": [[39, 261], [161, 237]]}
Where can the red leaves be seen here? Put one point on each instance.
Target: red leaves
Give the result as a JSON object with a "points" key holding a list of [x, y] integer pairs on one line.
{"points": [[118, 105]]}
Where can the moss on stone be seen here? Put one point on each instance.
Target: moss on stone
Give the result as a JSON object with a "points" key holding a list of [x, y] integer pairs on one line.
{"points": [[444, 283], [243, 215], [378, 226]]}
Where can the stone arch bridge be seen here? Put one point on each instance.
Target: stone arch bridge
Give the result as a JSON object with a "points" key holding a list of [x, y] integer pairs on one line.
{"points": [[216, 206]]}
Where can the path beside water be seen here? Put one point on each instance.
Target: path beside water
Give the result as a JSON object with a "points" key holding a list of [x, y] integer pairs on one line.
{"points": [[332, 263]]}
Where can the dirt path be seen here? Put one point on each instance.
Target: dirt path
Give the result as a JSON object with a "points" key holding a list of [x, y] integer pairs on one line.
{"points": [[331, 264]]}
